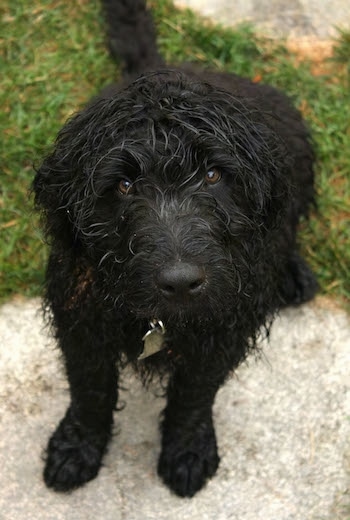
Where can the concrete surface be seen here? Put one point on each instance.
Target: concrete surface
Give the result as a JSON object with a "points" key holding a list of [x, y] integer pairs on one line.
{"points": [[283, 427], [279, 18]]}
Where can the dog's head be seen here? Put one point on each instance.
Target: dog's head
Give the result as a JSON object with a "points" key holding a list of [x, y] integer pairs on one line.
{"points": [[170, 188]]}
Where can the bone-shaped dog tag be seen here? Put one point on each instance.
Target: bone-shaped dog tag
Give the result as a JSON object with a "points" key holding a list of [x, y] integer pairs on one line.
{"points": [[153, 340]]}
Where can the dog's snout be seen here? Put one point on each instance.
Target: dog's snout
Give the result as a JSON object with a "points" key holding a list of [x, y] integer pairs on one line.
{"points": [[181, 281]]}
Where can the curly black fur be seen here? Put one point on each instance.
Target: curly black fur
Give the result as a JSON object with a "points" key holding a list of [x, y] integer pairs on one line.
{"points": [[174, 196]]}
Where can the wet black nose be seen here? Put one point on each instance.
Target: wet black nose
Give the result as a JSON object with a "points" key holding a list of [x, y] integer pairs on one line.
{"points": [[181, 281]]}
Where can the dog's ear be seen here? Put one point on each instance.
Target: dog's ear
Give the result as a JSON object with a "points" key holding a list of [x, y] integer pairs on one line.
{"points": [[61, 183], [262, 180], [277, 153]]}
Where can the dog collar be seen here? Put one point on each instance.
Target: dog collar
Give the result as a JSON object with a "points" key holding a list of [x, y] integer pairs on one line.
{"points": [[153, 340]]}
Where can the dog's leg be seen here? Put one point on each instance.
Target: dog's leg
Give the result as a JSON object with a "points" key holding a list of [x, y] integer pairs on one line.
{"points": [[76, 448], [189, 451], [300, 284]]}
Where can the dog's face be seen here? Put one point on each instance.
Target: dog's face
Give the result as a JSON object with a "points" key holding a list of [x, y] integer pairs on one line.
{"points": [[170, 188]]}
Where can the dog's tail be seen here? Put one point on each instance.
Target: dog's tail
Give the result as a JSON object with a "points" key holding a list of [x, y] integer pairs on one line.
{"points": [[132, 35]]}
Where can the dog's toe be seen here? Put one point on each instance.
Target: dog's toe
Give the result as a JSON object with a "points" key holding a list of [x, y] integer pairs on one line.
{"points": [[72, 458], [185, 469], [187, 474], [68, 467]]}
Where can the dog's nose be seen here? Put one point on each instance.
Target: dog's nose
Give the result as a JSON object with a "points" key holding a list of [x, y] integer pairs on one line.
{"points": [[181, 281]]}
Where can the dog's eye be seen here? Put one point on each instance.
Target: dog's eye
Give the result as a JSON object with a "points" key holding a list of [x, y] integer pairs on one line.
{"points": [[213, 176], [125, 187]]}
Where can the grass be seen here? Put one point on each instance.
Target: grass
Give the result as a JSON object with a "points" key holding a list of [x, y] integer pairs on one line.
{"points": [[54, 59]]}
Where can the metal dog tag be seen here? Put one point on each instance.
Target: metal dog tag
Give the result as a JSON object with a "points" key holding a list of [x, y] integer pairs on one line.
{"points": [[153, 340]]}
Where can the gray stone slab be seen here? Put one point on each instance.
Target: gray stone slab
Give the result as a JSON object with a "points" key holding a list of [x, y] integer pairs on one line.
{"points": [[283, 427], [279, 18]]}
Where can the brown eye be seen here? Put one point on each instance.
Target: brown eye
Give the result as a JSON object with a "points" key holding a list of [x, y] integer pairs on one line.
{"points": [[125, 187], [212, 176]]}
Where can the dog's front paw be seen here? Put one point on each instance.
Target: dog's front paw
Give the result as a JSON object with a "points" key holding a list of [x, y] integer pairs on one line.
{"points": [[185, 468], [73, 456]]}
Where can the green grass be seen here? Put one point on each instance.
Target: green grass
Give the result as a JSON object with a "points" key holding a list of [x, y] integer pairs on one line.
{"points": [[53, 59]]}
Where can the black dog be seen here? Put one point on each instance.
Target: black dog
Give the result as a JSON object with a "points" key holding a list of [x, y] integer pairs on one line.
{"points": [[171, 204]]}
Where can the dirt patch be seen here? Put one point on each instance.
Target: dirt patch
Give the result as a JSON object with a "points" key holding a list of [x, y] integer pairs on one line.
{"points": [[316, 51]]}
